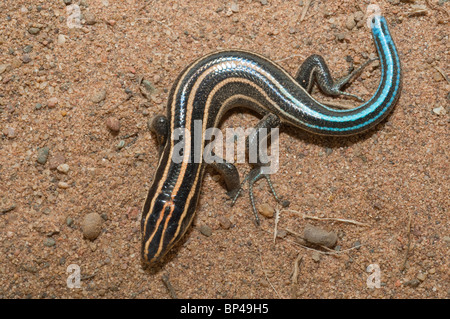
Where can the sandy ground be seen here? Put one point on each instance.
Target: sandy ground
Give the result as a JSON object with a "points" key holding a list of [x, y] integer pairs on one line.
{"points": [[59, 85]]}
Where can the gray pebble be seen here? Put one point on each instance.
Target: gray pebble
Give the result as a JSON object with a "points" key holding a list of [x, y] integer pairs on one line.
{"points": [[89, 18], [27, 49], [69, 221], [318, 236], [34, 30], [412, 283], [42, 155], [49, 242], [26, 58], [206, 230], [67, 2], [350, 22], [98, 96], [263, 2]]}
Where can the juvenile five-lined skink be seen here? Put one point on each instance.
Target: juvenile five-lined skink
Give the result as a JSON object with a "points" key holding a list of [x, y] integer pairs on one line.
{"points": [[214, 84]]}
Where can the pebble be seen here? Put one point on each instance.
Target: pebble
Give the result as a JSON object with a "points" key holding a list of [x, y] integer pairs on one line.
{"points": [[67, 2], [56, 160], [234, 7], [34, 30], [42, 155], [27, 49], [421, 276], [224, 222], [91, 226], [63, 185], [439, 110], [26, 58], [63, 168], [315, 256], [61, 39], [49, 242], [350, 22], [52, 102], [69, 221], [3, 67], [263, 2], [120, 145], [99, 96], [9, 132], [113, 124], [412, 283], [318, 236], [206, 230], [89, 18], [147, 88], [266, 210]]}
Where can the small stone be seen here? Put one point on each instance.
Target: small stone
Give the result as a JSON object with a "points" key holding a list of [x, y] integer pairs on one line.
{"points": [[63, 185], [432, 271], [224, 222], [42, 155], [61, 39], [92, 226], [27, 49], [350, 22], [315, 256], [49, 242], [26, 58], [439, 110], [266, 210], [120, 145], [4, 67], [234, 7], [9, 132], [113, 124], [206, 230], [67, 2], [263, 2], [98, 96], [63, 168], [52, 102], [318, 236], [89, 18], [421, 276], [69, 221], [446, 239], [147, 89], [56, 160], [34, 30], [412, 283]]}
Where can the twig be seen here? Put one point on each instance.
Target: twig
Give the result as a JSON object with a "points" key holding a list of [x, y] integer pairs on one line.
{"points": [[166, 281], [265, 274], [290, 57], [277, 219], [408, 246], [305, 9], [296, 269], [350, 221], [432, 7], [7, 209], [328, 252], [442, 73]]}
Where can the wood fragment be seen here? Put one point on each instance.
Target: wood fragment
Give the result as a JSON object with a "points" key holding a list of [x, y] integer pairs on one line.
{"points": [[265, 273], [170, 289], [277, 218], [305, 10], [349, 221], [442, 73], [408, 245], [7, 209], [296, 269]]}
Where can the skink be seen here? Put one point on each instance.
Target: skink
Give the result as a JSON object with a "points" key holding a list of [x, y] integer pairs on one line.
{"points": [[214, 84]]}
